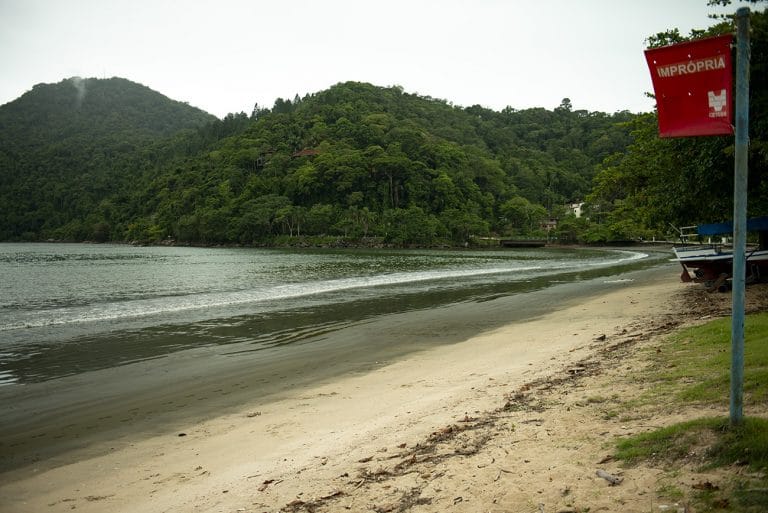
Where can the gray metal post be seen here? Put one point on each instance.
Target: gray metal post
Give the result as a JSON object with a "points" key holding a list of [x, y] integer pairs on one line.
{"points": [[740, 214]]}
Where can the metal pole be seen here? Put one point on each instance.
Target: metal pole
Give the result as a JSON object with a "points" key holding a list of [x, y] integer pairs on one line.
{"points": [[740, 214]]}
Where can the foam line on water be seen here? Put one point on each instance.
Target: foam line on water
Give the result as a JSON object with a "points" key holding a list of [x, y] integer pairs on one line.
{"points": [[119, 310], [146, 307]]}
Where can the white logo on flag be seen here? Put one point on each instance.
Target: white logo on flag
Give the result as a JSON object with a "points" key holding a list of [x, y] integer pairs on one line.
{"points": [[717, 103]]}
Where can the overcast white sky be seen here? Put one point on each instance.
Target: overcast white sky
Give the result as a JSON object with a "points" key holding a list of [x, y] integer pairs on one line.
{"points": [[225, 55]]}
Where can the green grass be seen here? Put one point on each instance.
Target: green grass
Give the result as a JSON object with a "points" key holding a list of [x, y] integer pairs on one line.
{"points": [[710, 442], [692, 367], [672, 443], [745, 445], [670, 491]]}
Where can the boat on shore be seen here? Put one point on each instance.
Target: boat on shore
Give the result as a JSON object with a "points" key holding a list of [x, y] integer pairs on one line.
{"points": [[708, 262], [712, 263]]}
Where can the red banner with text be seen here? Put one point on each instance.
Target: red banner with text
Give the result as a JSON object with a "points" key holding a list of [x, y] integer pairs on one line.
{"points": [[692, 82]]}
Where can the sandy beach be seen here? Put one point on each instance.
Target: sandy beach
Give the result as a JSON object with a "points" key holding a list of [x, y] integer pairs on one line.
{"points": [[501, 421]]}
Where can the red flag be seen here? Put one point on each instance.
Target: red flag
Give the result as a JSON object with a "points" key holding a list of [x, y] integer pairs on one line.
{"points": [[692, 82]]}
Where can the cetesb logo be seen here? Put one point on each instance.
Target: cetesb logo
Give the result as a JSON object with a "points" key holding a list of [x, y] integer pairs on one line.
{"points": [[717, 103]]}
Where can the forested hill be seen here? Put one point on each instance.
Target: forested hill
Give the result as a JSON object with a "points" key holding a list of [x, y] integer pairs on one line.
{"points": [[111, 160], [360, 160], [107, 110], [65, 147]]}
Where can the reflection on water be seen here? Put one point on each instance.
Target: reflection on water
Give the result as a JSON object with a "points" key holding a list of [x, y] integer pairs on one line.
{"points": [[67, 309]]}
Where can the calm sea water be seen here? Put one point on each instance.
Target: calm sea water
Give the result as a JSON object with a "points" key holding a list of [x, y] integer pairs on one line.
{"points": [[69, 308]]}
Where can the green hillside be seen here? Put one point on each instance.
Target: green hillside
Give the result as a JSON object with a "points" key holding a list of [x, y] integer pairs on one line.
{"points": [[112, 160], [65, 147], [359, 160]]}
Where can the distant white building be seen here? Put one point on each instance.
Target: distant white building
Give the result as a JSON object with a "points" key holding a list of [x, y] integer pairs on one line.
{"points": [[576, 208]]}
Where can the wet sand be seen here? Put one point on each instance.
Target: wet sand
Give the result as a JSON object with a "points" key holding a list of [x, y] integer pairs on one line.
{"points": [[111, 439]]}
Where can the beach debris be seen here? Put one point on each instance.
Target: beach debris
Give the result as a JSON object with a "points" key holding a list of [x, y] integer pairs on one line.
{"points": [[95, 498], [606, 459], [406, 502], [445, 433], [365, 460], [299, 505], [600, 337], [182, 434], [386, 508], [612, 479], [407, 462], [705, 485], [252, 414], [673, 508], [483, 465], [263, 486], [296, 505]]}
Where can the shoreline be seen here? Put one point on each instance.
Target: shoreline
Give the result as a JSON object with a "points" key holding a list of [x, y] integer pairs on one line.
{"points": [[372, 243], [60, 420], [304, 438]]}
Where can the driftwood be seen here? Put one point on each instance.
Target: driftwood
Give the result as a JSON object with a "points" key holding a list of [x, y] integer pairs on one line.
{"points": [[612, 480]]}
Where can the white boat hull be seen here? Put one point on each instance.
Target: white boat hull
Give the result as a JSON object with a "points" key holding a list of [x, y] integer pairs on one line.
{"points": [[708, 263]]}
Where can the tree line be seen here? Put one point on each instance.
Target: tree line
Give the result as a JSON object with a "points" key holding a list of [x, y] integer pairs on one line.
{"points": [[658, 182], [357, 161], [354, 161]]}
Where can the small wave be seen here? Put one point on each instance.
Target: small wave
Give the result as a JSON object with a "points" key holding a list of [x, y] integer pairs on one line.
{"points": [[165, 305], [173, 304], [7, 378]]}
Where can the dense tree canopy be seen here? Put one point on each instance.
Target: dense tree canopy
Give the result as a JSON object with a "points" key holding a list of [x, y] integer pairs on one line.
{"points": [[89, 159], [686, 181], [355, 160], [69, 153]]}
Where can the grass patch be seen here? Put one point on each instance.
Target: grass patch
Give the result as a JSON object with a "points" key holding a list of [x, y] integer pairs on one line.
{"points": [[692, 367], [670, 491], [670, 444], [708, 442], [694, 364], [744, 445]]}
